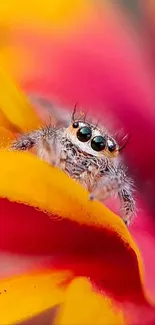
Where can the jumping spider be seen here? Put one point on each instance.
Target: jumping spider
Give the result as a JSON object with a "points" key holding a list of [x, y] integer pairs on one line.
{"points": [[86, 153]]}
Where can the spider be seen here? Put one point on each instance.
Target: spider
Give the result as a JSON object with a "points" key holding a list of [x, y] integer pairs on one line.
{"points": [[88, 154]]}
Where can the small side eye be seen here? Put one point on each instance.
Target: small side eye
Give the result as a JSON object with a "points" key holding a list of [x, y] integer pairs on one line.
{"points": [[98, 143], [111, 144], [75, 125], [84, 134]]}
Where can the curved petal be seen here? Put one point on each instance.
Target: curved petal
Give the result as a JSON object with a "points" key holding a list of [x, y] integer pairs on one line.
{"points": [[143, 232], [105, 244], [25, 296], [5, 123], [46, 190], [78, 304], [82, 305], [15, 107]]}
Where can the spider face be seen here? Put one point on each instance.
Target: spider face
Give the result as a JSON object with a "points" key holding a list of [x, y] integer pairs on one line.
{"points": [[90, 139], [87, 154]]}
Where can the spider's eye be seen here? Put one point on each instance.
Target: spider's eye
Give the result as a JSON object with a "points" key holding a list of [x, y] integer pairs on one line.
{"points": [[75, 125], [98, 143], [111, 145], [84, 134]]}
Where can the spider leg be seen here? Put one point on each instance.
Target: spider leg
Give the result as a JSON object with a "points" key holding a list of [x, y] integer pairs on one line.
{"points": [[116, 182], [105, 187], [29, 140], [25, 142], [44, 140], [128, 206]]}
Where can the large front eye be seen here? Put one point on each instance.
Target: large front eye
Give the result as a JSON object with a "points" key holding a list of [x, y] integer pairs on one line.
{"points": [[84, 134], [98, 143]]}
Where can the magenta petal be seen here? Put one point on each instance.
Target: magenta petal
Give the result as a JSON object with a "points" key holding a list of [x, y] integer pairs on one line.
{"points": [[143, 231]]}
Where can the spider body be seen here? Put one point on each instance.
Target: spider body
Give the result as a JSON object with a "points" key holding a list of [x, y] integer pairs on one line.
{"points": [[89, 155]]}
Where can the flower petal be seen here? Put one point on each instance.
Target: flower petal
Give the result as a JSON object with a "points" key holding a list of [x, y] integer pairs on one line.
{"points": [[27, 179], [6, 137], [15, 106], [5, 123], [84, 306], [58, 12], [67, 195], [26, 296]]}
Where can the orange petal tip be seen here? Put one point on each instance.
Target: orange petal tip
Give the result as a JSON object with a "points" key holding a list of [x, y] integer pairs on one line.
{"points": [[26, 296], [82, 305], [34, 182]]}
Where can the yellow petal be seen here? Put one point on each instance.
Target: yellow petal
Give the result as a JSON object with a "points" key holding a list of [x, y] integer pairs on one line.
{"points": [[26, 296], [53, 191], [15, 106], [46, 13], [83, 306], [5, 123], [6, 136], [27, 179]]}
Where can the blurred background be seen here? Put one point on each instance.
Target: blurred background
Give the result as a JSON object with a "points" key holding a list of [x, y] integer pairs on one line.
{"points": [[97, 52], [100, 53]]}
